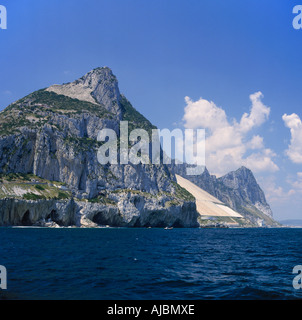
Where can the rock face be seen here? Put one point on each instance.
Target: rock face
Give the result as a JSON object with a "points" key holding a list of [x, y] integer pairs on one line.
{"points": [[238, 189], [52, 134], [27, 213], [245, 190], [98, 86], [130, 211]]}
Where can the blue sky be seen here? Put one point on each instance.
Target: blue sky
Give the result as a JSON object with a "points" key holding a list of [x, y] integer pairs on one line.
{"points": [[165, 50]]}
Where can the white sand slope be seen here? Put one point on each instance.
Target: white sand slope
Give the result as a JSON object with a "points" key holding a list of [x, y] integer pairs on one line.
{"points": [[74, 91], [206, 204]]}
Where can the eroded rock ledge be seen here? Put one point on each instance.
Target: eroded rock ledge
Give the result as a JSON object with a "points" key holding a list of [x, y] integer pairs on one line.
{"points": [[136, 211]]}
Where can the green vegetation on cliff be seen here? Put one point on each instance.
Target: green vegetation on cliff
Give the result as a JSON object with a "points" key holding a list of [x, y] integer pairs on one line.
{"points": [[65, 105], [136, 120], [31, 187], [34, 110]]}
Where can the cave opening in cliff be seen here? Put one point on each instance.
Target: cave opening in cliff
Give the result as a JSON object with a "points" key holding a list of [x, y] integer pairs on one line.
{"points": [[55, 217], [101, 219], [26, 221]]}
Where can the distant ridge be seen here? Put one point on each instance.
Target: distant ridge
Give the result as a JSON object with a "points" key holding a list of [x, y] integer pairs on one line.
{"points": [[237, 189]]}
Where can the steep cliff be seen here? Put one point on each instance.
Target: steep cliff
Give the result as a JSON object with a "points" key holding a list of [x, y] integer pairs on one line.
{"points": [[238, 189], [52, 134], [50, 174]]}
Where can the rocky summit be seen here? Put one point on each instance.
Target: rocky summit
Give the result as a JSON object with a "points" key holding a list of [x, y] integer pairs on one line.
{"points": [[49, 170], [237, 189], [50, 174]]}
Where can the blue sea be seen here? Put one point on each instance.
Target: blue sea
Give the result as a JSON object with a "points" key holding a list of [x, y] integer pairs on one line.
{"points": [[136, 264]]}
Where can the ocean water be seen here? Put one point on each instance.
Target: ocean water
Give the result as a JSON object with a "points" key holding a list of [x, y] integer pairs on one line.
{"points": [[135, 264]]}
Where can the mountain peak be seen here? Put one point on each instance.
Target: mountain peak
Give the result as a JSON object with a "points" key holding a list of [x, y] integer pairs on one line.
{"points": [[241, 176], [98, 86], [206, 172], [243, 169], [95, 77]]}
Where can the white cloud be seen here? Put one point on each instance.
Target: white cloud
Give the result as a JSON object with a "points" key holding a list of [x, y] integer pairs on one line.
{"points": [[274, 193], [261, 161], [284, 195], [203, 113], [228, 144], [294, 151], [256, 143], [258, 115], [296, 183]]}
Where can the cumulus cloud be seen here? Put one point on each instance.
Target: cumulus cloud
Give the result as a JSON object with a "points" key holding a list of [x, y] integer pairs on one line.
{"points": [[275, 193], [296, 183], [230, 144], [258, 115], [261, 161], [256, 143], [294, 151], [204, 113]]}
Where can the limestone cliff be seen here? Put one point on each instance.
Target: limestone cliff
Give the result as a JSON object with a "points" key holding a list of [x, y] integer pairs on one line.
{"points": [[50, 174], [238, 189], [51, 134]]}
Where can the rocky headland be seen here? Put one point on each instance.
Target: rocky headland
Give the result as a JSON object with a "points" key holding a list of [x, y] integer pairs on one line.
{"points": [[50, 174]]}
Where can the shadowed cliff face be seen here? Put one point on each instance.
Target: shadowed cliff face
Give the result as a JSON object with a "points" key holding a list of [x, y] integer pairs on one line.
{"points": [[246, 188], [59, 213], [238, 189], [51, 133]]}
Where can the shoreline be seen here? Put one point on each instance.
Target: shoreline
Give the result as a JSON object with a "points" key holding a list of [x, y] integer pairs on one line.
{"points": [[142, 228]]}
